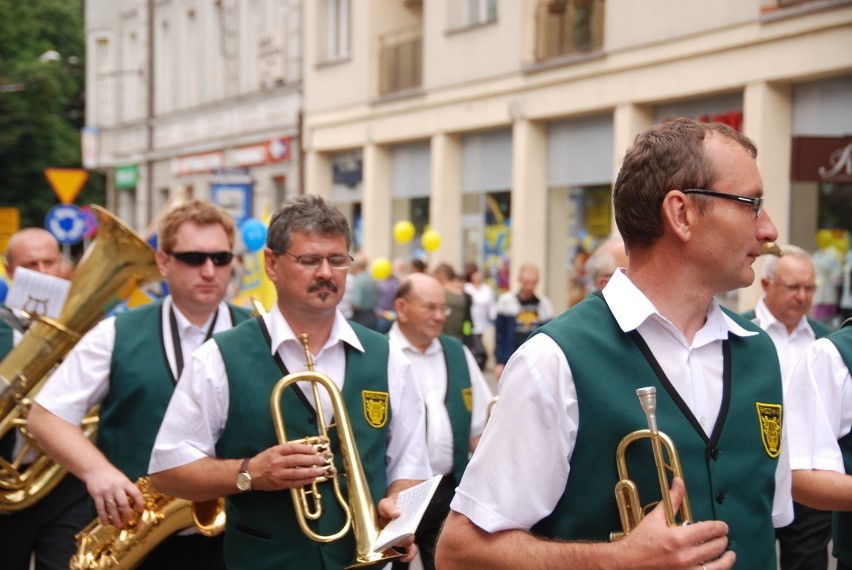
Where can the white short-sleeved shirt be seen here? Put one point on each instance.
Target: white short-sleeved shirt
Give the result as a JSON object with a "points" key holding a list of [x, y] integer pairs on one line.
{"points": [[198, 410], [431, 372], [537, 417], [818, 408], [82, 380]]}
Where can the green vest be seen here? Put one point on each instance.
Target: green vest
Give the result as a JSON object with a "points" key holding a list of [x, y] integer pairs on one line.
{"points": [[7, 339], [140, 387], [842, 526], [262, 531], [459, 401], [730, 476]]}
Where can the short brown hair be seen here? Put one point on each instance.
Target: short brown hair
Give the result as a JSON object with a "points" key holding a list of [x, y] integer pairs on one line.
{"points": [[668, 156], [197, 211]]}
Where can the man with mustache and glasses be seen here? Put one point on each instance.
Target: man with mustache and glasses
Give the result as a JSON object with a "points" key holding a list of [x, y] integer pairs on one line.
{"points": [[218, 436], [130, 364], [688, 202]]}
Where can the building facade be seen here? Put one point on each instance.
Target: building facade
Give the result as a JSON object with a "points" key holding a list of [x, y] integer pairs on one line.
{"points": [[497, 124]]}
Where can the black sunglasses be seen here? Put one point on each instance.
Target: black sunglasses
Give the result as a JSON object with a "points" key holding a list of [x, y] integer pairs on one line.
{"points": [[196, 258]]}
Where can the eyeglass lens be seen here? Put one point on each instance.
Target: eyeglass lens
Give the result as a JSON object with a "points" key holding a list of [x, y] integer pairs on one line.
{"points": [[196, 258]]}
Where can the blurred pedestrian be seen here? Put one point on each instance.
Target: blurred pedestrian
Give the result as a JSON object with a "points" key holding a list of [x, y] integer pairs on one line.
{"points": [[483, 311]]}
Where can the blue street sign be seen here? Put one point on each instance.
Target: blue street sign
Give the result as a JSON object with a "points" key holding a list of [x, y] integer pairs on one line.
{"points": [[67, 223]]}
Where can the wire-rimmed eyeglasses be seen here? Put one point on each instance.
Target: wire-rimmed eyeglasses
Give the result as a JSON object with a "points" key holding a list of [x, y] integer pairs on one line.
{"points": [[313, 260], [755, 203]]}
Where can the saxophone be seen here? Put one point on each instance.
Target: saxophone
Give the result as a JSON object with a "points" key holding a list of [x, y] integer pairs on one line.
{"points": [[101, 546]]}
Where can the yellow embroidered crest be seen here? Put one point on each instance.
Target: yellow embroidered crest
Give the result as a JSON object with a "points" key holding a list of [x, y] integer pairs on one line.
{"points": [[375, 407], [770, 427], [467, 398]]}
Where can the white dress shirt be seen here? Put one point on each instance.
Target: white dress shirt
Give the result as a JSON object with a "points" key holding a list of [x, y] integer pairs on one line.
{"points": [[538, 414], [82, 380], [431, 372], [789, 346], [198, 409], [818, 408]]}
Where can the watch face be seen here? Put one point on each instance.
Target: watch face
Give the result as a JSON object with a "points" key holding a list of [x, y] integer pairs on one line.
{"points": [[243, 481]]}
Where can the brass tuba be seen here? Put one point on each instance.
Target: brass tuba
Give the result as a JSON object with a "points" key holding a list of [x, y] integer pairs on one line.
{"points": [[307, 502], [114, 264], [630, 510], [101, 546]]}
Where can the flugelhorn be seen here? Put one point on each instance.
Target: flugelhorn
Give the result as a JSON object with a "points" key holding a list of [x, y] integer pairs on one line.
{"points": [[359, 510], [630, 510]]}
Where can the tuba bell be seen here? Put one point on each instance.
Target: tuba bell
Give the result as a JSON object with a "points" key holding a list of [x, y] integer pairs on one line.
{"points": [[630, 510], [116, 262], [101, 546], [360, 514]]}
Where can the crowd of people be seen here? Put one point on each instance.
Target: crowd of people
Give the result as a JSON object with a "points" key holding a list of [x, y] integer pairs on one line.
{"points": [[757, 404]]}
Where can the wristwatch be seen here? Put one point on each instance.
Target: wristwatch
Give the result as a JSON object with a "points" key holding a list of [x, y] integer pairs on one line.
{"points": [[243, 477]]}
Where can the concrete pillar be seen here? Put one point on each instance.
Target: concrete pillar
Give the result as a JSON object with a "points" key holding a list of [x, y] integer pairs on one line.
{"points": [[318, 173], [529, 197], [445, 207], [375, 207]]}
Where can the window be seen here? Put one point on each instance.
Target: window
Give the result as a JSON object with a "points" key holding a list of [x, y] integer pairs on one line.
{"points": [[333, 18], [480, 11]]}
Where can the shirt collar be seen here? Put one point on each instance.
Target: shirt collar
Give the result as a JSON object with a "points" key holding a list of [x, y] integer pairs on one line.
{"points": [[631, 308], [396, 335], [764, 318], [183, 323], [280, 331]]}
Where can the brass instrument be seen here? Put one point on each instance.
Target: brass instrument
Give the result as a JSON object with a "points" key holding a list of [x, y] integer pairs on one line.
{"points": [[770, 248], [114, 264], [630, 510], [359, 510], [101, 546]]}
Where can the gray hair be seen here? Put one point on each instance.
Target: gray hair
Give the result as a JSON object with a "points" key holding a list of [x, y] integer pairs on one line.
{"points": [[602, 262], [770, 267], [308, 214]]}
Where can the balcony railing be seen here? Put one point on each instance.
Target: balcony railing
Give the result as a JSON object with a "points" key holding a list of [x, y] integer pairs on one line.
{"points": [[567, 27], [401, 60]]}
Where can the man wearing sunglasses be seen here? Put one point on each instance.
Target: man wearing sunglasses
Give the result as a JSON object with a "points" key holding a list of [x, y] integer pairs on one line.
{"points": [[687, 202], [218, 435], [130, 364]]}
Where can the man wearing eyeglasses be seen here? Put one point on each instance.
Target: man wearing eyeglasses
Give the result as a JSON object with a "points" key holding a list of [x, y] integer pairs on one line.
{"points": [[130, 364], [789, 283], [218, 436], [455, 391], [568, 396]]}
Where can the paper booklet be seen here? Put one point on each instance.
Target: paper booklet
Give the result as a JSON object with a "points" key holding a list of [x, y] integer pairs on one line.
{"points": [[412, 503]]}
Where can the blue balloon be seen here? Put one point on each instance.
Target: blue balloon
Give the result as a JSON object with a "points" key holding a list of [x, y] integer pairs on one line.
{"points": [[4, 289], [254, 234]]}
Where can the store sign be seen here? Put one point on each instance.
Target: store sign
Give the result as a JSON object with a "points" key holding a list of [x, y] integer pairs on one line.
{"points": [[232, 189], [822, 159], [194, 163], [267, 152], [126, 177]]}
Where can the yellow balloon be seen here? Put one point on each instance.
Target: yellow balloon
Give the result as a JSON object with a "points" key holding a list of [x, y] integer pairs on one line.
{"points": [[381, 268], [403, 231], [430, 240]]}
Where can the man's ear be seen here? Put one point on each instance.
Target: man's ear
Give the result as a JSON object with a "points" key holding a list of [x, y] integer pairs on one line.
{"points": [[162, 259], [678, 214]]}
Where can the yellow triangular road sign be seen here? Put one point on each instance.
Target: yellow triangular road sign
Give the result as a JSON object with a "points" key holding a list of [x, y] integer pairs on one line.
{"points": [[66, 182]]}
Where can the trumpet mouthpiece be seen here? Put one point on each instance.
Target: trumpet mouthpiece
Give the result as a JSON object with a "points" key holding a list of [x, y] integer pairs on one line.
{"points": [[648, 400]]}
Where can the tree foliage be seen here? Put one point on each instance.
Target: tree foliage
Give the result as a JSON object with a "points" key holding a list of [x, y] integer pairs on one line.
{"points": [[41, 102]]}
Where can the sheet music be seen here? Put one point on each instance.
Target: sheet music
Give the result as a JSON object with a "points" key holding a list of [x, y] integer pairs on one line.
{"points": [[412, 503], [39, 293]]}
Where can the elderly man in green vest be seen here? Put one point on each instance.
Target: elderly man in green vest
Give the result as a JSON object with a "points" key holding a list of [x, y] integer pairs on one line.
{"points": [[455, 391], [130, 365], [819, 403], [688, 203], [789, 283], [219, 437], [46, 529]]}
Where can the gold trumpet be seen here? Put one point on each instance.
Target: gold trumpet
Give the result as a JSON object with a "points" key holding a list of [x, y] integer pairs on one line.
{"points": [[358, 508], [630, 510]]}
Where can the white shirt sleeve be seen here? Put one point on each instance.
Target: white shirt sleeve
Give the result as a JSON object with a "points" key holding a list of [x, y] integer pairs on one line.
{"points": [[819, 408], [82, 380], [407, 456], [196, 415], [481, 393], [537, 394]]}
